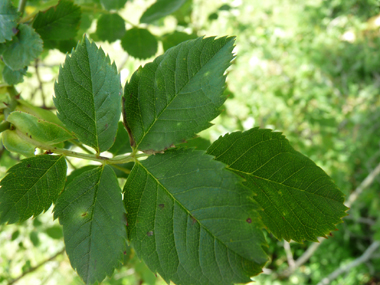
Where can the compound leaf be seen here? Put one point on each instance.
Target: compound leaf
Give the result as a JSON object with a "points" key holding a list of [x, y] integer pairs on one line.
{"points": [[8, 20], [110, 27], [93, 218], [160, 9], [299, 199], [31, 186], [192, 221], [178, 94], [139, 43], [88, 95], [60, 22], [24, 47]]}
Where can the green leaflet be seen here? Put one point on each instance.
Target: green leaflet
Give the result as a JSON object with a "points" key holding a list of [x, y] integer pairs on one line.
{"points": [[88, 96], [160, 9], [8, 20], [192, 221], [175, 38], [24, 47], [13, 77], [14, 143], [30, 187], [139, 43], [110, 27], [38, 129], [178, 94], [93, 218], [113, 4], [60, 22], [299, 199]]}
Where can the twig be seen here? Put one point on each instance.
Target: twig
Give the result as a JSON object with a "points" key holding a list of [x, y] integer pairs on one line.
{"points": [[35, 267], [366, 182], [40, 83], [363, 258], [21, 6], [289, 254], [353, 196]]}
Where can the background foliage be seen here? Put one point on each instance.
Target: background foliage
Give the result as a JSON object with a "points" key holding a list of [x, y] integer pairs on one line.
{"points": [[307, 68]]}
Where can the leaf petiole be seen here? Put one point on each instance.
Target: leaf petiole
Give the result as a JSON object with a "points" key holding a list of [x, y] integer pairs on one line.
{"points": [[93, 157]]}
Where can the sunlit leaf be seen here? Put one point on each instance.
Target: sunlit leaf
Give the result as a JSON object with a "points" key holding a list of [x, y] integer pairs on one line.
{"points": [[38, 129], [177, 95], [30, 187], [161, 9], [299, 199], [192, 221]]}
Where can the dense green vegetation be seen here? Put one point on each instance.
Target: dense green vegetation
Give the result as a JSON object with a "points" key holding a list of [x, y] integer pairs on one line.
{"points": [[308, 69]]}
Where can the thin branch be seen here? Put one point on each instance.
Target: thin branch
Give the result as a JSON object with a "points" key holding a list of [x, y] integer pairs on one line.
{"points": [[363, 258], [289, 254], [30, 270], [94, 157], [366, 183], [353, 196], [40, 86], [21, 6]]}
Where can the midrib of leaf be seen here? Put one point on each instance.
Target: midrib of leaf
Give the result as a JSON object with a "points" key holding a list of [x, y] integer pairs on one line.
{"points": [[177, 92], [184, 208], [35, 183], [92, 221]]}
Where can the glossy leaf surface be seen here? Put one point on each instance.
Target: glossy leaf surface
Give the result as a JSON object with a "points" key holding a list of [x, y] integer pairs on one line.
{"points": [[192, 221], [30, 187], [177, 95], [299, 199], [93, 218], [88, 96]]}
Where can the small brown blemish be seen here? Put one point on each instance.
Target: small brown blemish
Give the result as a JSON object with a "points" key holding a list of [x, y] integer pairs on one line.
{"points": [[150, 233], [283, 218], [28, 165], [15, 31], [161, 206], [30, 136], [331, 234], [106, 126], [84, 214], [249, 220], [48, 152], [125, 252], [193, 220]]}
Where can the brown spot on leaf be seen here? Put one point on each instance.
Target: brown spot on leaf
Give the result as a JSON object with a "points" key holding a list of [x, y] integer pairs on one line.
{"points": [[15, 31], [124, 252], [150, 233], [84, 214], [249, 220], [193, 220], [28, 165], [161, 206]]}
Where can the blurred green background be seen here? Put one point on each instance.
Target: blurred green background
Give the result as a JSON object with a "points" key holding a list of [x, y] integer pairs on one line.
{"points": [[309, 69]]}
